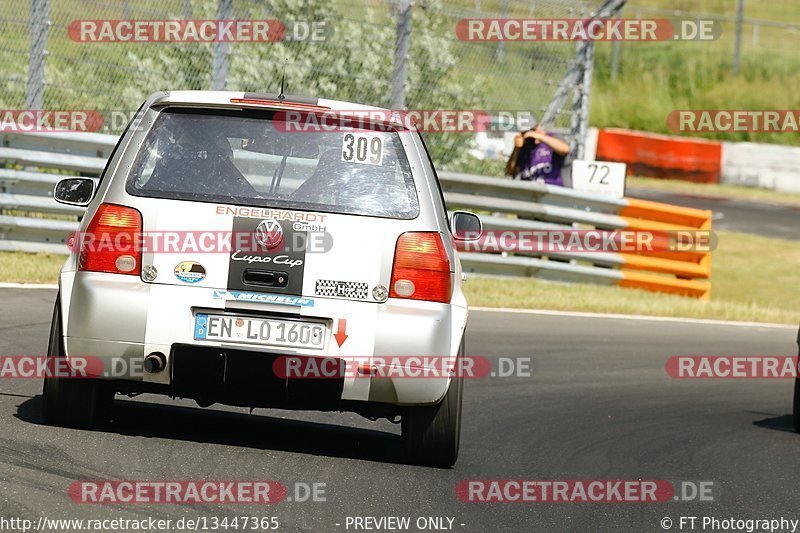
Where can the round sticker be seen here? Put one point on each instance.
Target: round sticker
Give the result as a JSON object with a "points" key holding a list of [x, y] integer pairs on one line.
{"points": [[190, 272]]}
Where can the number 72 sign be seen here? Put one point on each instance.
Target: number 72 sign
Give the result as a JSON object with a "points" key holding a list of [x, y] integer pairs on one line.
{"points": [[602, 177]]}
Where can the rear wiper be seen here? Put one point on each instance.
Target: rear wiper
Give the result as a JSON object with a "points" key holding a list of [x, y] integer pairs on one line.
{"points": [[277, 176]]}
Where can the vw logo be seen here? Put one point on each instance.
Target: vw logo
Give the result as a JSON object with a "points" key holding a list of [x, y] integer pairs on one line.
{"points": [[269, 234]]}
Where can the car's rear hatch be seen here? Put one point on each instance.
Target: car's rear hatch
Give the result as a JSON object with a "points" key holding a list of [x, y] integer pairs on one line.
{"points": [[318, 255], [234, 202]]}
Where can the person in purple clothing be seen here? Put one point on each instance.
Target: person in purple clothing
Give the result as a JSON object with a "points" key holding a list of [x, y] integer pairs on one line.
{"points": [[537, 156]]}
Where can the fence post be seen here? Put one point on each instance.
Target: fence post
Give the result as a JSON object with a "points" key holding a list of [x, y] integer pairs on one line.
{"points": [[500, 53], [582, 99], [737, 50], [39, 25], [222, 50], [578, 81], [615, 51], [401, 47]]}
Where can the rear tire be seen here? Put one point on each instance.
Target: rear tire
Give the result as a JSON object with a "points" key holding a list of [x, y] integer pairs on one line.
{"points": [[431, 434], [72, 402]]}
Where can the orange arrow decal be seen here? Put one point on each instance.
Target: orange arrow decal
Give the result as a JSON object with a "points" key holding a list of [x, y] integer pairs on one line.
{"points": [[341, 333]]}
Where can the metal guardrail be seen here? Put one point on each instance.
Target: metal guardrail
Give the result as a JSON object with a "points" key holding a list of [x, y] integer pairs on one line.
{"points": [[31, 220], [513, 203]]}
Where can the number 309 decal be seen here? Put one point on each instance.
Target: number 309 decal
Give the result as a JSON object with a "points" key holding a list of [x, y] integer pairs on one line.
{"points": [[363, 148]]}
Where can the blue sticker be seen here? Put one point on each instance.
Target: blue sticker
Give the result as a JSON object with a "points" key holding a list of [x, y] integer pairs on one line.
{"points": [[200, 326]]}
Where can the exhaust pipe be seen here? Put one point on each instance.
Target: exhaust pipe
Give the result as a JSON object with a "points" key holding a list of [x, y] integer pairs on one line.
{"points": [[155, 362]]}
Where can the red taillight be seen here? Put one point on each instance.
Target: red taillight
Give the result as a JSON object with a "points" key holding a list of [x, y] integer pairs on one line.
{"points": [[421, 269], [111, 241]]}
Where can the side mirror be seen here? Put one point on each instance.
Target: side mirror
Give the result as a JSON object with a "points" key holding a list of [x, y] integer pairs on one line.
{"points": [[74, 191], [466, 226]]}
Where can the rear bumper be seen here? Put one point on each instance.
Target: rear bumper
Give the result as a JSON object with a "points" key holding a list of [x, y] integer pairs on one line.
{"points": [[245, 378], [120, 319]]}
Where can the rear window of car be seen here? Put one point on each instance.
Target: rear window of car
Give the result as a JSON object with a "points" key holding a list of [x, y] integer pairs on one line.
{"points": [[247, 157]]}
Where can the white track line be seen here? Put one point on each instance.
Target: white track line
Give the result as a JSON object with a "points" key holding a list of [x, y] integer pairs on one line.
{"points": [[27, 286], [633, 317]]}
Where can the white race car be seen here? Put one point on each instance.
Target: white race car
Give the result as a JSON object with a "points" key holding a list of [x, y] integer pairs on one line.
{"points": [[218, 241]]}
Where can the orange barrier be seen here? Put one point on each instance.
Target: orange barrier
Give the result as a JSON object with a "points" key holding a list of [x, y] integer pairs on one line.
{"points": [[662, 156], [683, 269], [656, 283], [670, 214], [685, 273]]}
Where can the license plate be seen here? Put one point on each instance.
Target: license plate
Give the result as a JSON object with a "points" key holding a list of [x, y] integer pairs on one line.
{"points": [[267, 332]]}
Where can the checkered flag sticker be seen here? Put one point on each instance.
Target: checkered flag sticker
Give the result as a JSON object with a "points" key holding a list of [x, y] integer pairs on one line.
{"points": [[342, 289]]}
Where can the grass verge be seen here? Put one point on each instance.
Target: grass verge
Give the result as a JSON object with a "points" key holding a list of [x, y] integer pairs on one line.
{"points": [[753, 279], [717, 190], [19, 267]]}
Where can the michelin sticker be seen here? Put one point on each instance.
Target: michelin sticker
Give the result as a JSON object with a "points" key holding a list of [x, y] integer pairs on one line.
{"points": [[282, 299]]}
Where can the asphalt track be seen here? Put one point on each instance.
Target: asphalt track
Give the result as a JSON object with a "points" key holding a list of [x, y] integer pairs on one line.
{"points": [[598, 405], [770, 220]]}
